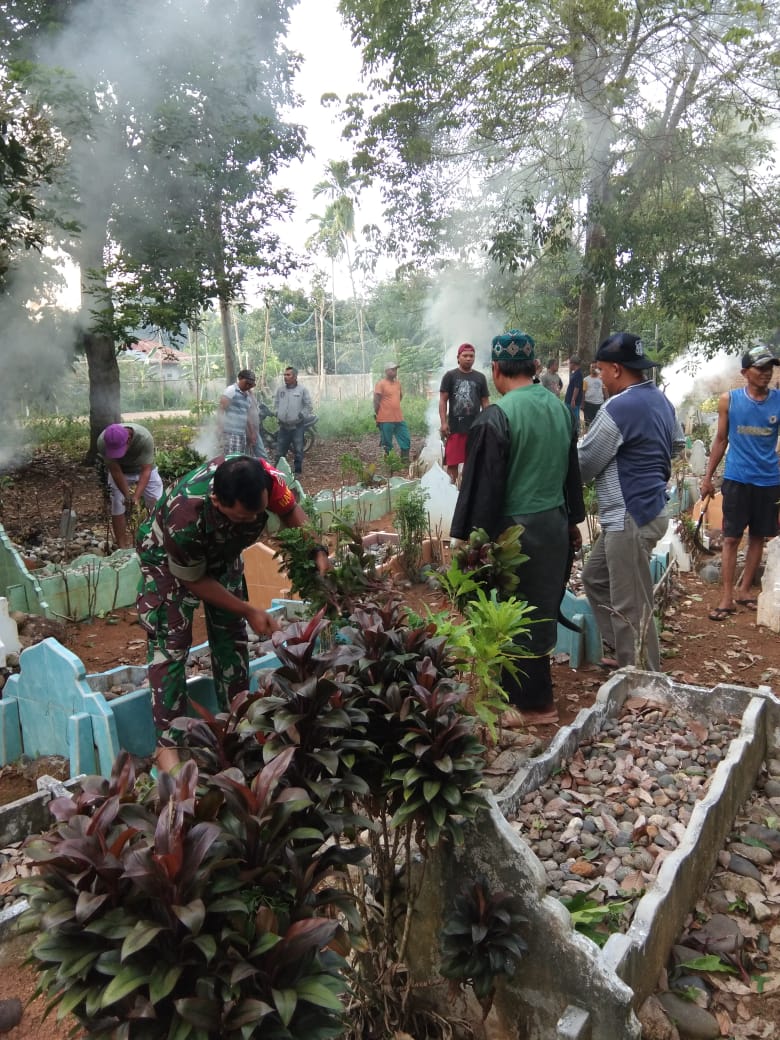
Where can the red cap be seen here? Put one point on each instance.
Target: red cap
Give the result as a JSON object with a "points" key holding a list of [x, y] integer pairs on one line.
{"points": [[465, 346]]}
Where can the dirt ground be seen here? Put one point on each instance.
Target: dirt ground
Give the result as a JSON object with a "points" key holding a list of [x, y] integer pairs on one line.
{"points": [[695, 649]]}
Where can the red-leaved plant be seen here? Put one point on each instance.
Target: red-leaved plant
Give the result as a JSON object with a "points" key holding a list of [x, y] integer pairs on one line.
{"points": [[194, 911]]}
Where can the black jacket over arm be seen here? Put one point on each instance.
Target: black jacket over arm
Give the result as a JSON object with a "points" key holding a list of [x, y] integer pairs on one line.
{"points": [[482, 486]]}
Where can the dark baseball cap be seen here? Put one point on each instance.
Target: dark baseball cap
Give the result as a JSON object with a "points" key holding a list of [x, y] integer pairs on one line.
{"points": [[626, 349], [758, 357]]}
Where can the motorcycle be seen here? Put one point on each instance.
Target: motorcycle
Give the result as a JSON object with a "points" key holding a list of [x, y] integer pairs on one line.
{"points": [[270, 433]]}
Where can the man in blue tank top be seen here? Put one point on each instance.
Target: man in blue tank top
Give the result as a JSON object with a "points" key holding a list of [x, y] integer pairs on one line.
{"points": [[748, 424]]}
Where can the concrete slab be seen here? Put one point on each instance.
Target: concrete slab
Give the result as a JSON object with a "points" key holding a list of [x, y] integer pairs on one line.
{"points": [[566, 987]]}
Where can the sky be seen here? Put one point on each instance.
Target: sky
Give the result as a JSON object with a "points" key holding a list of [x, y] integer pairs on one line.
{"points": [[331, 65]]}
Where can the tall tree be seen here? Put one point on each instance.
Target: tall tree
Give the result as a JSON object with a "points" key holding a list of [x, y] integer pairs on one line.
{"points": [[172, 113], [337, 229], [563, 121]]}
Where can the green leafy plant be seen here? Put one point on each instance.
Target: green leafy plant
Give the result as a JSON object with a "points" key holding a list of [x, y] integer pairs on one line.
{"points": [[193, 910], [591, 511], [6, 487], [483, 564], [481, 941], [595, 920], [174, 462], [487, 643], [709, 962], [296, 548], [390, 763], [364, 473], [394, 463], [351, 580], [411, 522]]}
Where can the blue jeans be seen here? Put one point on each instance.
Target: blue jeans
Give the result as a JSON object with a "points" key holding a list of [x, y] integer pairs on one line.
{"points": [[291, 437], [401, 432]]}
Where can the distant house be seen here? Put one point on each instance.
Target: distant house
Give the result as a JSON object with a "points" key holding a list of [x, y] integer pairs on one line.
{"points": [[164, 362]]}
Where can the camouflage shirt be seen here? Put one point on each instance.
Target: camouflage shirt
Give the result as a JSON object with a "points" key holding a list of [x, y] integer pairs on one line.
{"points": [[187, 534]]}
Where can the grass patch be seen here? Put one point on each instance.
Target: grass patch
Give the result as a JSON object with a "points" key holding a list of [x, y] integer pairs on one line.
{"points": [[355, 417]]}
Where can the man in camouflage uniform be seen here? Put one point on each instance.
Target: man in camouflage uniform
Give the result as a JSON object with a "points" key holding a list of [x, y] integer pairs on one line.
{"points": [[190, 551]]}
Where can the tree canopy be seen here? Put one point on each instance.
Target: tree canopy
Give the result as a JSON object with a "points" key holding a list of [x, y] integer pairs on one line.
{"points": [[173, 114], [632, 136]]}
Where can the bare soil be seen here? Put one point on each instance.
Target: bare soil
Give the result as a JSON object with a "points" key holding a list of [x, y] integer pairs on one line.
{"points": [[695, 649]]}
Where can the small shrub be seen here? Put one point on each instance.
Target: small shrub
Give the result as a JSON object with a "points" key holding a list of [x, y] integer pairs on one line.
{"points": [[174, 463], [486, 565], [193, 910], [481, 941], [411, 522]]}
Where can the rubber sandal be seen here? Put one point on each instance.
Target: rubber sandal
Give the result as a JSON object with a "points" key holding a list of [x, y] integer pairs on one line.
{"points": [[748, 604], [721, 613], [513, 718]]}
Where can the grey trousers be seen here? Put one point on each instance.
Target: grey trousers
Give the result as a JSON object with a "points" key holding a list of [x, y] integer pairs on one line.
{"points": [[619, 587]]}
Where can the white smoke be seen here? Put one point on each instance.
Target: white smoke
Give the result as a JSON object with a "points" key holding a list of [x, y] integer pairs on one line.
{"points": [[693, 378], [456, 313]]}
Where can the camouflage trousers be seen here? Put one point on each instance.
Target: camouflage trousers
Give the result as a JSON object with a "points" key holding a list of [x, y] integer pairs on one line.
{"points": [[165, 612]]}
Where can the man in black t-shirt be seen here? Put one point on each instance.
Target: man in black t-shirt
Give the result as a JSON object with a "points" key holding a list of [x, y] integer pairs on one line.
{"points": [[463, 394]]}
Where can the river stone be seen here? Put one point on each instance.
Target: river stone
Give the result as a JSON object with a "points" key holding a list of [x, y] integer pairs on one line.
{"points": [[753, 853], [655, 1022], [693, 982], [739, 884], [767, 835], [710, 573], [10, 1014], [743, 867], [719, 901], [693, 1023], [721, 934]]}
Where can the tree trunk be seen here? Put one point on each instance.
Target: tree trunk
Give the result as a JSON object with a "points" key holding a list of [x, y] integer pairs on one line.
{"points": [[104, 398], [99, 347], [231, 362], [319, 326], [358, 308]]}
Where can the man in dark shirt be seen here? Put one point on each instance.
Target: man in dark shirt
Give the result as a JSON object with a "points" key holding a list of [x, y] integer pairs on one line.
{"points": [[573, 396], [463, 394]]}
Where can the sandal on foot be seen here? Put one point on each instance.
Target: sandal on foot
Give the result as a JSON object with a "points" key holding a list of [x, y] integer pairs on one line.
{"points": [[748, 604], [721, 613], [513, 718]]}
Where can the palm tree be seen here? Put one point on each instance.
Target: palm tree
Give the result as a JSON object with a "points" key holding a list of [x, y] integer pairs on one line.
{"points": [[337, 229]]}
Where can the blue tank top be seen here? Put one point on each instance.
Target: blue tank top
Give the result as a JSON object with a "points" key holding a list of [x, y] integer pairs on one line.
{"points": [[753, 427]]}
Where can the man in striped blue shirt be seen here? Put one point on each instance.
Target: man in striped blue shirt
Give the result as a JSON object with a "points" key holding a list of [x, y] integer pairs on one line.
{"points": [[628, 450], [237, 415]]}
